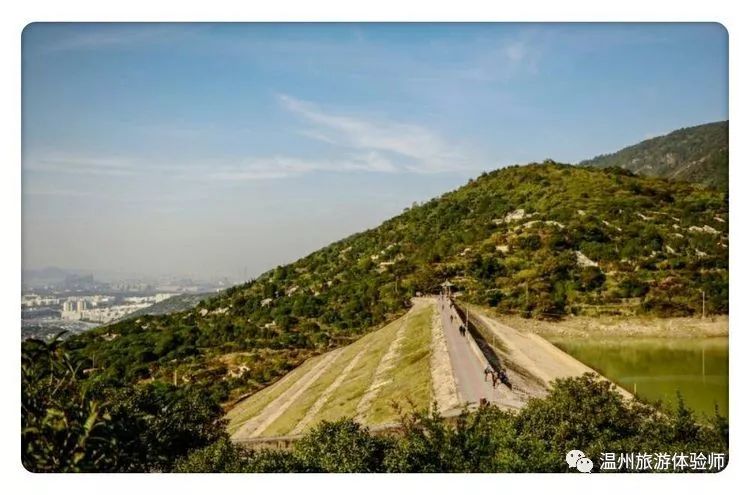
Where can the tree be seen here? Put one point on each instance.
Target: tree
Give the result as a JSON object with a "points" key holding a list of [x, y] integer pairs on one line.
{"points": [[68, 425], [158, 423], [341, 446], [63, 427]]}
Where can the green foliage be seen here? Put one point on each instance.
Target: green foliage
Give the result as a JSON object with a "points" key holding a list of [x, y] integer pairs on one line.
{"points": [[695, 154], [582, 413], [341, 446], [430, 444], [63, 427], [157, 423], [220, 457], [69, 425]]}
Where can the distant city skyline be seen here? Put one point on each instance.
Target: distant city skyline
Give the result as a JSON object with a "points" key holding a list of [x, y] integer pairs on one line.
{"points": [[215, 150], [33, 274]]}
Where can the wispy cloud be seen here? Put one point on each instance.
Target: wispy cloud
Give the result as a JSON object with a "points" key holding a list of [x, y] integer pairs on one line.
{"points": [[226, 169], [65, 163], [358, 144], [283, 166], [413, 147]]}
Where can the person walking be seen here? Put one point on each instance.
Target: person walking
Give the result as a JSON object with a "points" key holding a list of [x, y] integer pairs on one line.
{"points": [[504, 379], [494, 379], [487, 371]]}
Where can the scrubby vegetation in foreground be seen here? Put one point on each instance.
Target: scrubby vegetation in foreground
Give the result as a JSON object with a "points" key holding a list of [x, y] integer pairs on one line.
{"points": [[580, 413], [70, 426]]}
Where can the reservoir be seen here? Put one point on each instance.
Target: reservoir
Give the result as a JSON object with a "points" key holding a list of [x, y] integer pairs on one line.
{"points": [[655, 368]]}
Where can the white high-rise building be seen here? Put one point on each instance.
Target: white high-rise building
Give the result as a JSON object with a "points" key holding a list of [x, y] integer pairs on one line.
{"points": [[71, 310], [81, 306]]}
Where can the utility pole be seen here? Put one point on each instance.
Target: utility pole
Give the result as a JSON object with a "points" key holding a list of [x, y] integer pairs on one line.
{"points": [[703, 296], [527, 295]]}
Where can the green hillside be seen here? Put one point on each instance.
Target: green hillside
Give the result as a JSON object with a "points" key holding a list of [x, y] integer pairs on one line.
{"points": [[180, 302], [696, 154], [542, 240]]}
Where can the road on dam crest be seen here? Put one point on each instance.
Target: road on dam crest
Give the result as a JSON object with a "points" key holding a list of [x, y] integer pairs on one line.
{"points": [[468, 366]]}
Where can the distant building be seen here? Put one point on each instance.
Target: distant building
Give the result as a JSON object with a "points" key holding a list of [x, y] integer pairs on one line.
{"points": [[34, 300], [73, 310], [162, 297]]}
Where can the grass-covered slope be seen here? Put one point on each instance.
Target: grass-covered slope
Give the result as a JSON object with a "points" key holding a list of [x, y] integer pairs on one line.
{"points": [[543, 240], [695, 154], [363, 380]]}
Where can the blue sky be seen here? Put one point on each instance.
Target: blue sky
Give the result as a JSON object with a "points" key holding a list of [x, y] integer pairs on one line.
{"points": [[211, 149]]}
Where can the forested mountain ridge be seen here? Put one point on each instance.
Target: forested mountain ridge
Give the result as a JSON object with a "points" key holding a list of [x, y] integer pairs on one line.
{"points": [[543, 240], [695, 154]]}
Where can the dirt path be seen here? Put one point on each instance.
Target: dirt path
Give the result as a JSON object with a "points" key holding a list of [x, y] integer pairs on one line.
{"points": [[535, 355], [444, 389], [623, 326], [328, 392], [258, 424], [384, 366]]}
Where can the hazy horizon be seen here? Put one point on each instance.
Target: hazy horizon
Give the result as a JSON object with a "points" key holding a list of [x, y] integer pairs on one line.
{"points": [[208, 150]]}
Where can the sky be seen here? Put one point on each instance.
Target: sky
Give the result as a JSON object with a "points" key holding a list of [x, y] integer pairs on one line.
{"points": [[223, 150]]}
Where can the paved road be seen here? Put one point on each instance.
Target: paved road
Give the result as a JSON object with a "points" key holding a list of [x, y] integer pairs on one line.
{"points": [[468, 367]]}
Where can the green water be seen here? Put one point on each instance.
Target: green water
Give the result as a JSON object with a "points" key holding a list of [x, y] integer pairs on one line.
{"points": [[656, 368]]}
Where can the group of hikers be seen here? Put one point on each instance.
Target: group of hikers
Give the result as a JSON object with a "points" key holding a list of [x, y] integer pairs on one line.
{"points": [[461, 327], [497, 376]]}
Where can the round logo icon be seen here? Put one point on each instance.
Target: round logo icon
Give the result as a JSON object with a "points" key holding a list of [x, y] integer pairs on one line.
{"points": [[573, 456], [585, 465]]}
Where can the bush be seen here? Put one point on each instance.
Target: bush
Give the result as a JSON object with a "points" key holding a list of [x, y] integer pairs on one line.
{"points": [[68, 425], [341, 446], [220, 457], [584, 413], [63, 427]]}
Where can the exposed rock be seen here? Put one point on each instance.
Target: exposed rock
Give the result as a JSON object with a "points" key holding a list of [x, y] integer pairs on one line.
{"points": [[519, 214], [707, 229], [584, 260]]}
